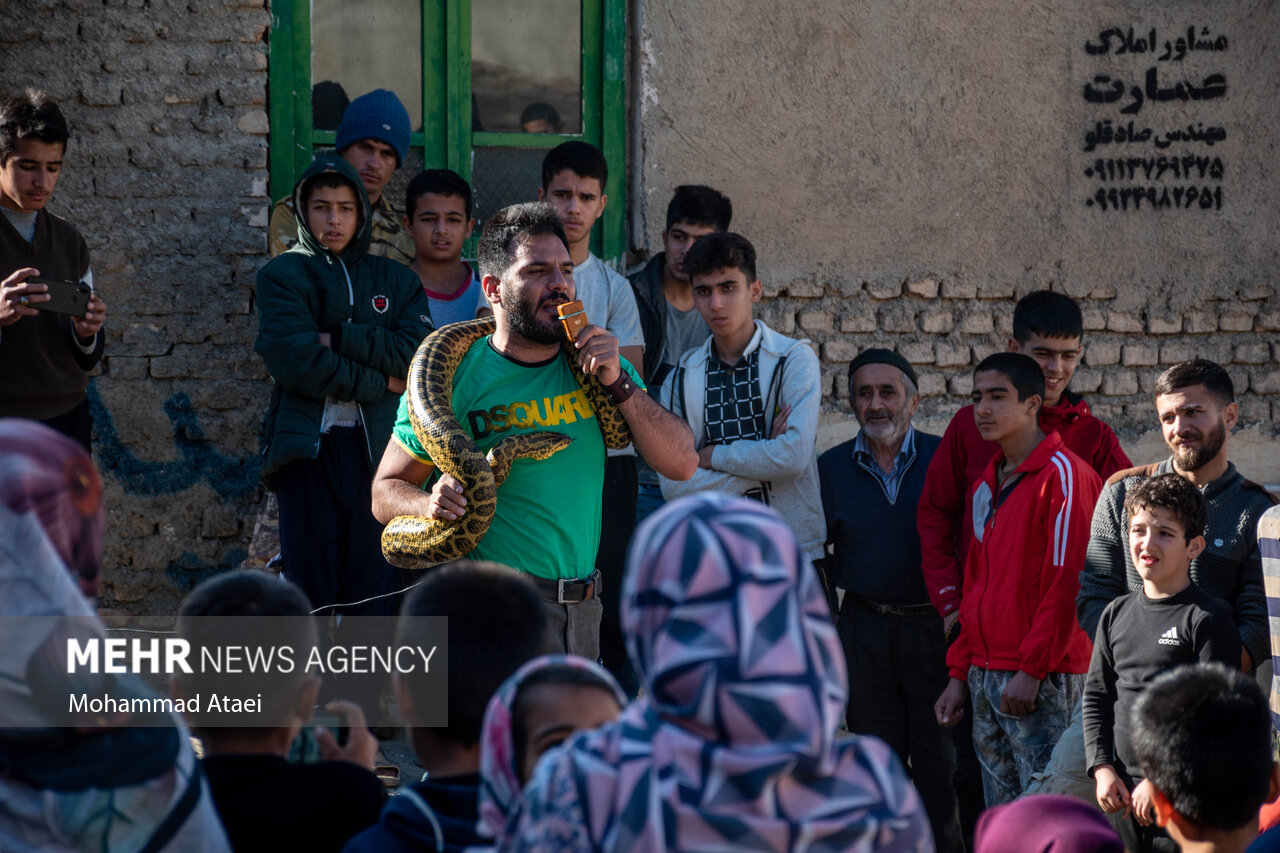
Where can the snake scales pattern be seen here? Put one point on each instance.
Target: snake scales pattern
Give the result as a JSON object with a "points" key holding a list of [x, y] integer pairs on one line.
{"points": [[417, 542]]}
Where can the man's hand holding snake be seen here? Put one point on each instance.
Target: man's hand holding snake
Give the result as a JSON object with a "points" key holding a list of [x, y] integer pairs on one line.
{"points": [[447, 501]]}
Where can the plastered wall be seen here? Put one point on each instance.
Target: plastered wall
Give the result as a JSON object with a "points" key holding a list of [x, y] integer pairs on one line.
{"points": [[908, 169]]}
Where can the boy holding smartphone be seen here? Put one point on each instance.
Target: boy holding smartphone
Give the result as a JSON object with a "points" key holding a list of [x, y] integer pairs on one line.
{"points": [[45, 357]]}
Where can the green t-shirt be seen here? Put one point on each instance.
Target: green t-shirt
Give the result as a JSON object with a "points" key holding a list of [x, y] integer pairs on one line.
{"points": [[548, 518]]}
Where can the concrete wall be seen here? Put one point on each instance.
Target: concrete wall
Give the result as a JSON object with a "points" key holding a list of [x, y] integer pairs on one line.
{"points": [[166, 177], [907, 169]]}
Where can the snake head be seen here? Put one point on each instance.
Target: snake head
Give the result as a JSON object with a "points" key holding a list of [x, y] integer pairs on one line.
{"points": [[531, 445]]}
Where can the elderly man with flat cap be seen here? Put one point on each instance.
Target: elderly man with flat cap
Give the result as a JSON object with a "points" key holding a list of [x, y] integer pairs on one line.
{"points": [[892, 636]]}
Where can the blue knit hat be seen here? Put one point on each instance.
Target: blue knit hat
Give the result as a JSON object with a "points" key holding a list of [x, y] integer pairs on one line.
{"points": [[378, 115]]}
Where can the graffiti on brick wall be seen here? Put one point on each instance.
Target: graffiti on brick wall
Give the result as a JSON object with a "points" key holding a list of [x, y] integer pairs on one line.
{"points": [[189, 570], [232, 477], [1144, 154]]}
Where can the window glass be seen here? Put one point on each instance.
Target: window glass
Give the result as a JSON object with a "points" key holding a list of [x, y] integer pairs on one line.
{"points": [[526, 63], [503, 176], [359, 47]]}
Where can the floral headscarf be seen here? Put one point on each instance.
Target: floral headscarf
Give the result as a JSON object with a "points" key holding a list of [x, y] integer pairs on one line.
{"points": [[499, 776], [733, 743]]}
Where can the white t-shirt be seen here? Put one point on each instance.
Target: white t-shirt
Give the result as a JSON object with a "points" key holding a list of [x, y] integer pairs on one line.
{"points": [[608, 301]]}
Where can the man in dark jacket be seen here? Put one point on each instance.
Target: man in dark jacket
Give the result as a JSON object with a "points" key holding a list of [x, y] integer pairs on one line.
{"points": [[892, 637], [1195, 401], [337, 328]]}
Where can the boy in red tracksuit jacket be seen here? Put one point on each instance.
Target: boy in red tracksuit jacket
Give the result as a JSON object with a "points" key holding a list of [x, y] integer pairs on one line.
{"points": [[1020, 649], [1048, 327]]}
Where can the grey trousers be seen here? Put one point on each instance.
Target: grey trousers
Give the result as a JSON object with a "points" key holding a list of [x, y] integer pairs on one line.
{"points": [[575, 628]]}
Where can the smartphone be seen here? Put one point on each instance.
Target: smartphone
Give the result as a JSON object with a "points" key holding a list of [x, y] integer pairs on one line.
{"points": [[336, 723], [65, 297]]}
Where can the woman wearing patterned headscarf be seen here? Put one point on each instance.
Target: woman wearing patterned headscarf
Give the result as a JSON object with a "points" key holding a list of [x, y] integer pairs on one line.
{"points": [[534, 710], [75, 781], [734, 742]]}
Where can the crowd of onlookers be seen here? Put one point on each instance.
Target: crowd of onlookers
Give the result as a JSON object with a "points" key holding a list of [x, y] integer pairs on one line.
{"points": [[1006, 637]]}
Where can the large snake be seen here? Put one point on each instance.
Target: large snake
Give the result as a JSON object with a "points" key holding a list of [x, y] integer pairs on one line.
{"points": [[417, 542]]}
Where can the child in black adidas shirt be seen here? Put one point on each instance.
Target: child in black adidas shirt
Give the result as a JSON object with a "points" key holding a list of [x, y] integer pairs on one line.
{"points": [[1168, 622]]}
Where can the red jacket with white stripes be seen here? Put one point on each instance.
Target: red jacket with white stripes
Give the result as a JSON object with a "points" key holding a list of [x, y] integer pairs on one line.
{"points": [[1022, 572], [960, 460]]}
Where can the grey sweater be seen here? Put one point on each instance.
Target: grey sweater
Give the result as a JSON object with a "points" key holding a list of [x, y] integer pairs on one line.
{"points": [[1229, 568]]}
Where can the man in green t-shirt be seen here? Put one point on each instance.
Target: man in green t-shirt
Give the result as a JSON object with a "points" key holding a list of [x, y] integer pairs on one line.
{"points": [[516, 380]]}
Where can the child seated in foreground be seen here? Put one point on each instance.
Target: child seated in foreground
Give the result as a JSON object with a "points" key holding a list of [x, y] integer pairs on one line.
{"points": [[265, 802], [538, 708]]}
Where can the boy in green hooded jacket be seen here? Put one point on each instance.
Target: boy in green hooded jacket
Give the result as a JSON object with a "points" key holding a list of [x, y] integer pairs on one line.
{"points": [[337, 328]]}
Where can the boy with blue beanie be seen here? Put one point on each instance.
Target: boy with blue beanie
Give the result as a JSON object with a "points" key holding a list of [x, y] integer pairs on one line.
{"points": [[374, 138]]}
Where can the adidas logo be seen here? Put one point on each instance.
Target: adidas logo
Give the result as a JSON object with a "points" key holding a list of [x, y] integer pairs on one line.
{"points": [[1170, 637]]}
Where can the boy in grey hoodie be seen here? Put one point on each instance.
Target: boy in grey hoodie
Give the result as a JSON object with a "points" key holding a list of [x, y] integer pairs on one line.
{"points": [[750, 395]]}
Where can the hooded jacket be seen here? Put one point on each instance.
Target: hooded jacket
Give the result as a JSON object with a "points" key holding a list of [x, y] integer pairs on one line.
{"points": [[374, 310], [1022, 572], [961, 458], [785, 468]]}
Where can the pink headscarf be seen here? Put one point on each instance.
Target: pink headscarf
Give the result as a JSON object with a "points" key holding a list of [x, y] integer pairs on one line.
{"points": [[499, 778]]}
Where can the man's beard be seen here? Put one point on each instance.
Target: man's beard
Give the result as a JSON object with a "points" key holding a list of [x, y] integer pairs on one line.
{"points": [[522, 319], [884, 429], [1193, 459]]}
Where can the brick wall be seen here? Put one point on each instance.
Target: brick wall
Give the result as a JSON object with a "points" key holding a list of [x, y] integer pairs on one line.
{"points": [[945, 326], [166, 177]]}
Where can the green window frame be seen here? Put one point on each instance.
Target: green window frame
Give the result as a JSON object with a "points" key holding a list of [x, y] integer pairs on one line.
{"points": [[446, 100]]}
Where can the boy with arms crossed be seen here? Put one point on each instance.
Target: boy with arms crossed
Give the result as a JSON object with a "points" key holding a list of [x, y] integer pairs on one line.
{"points": [[670, 320], [750, 395], [336, 329]]}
